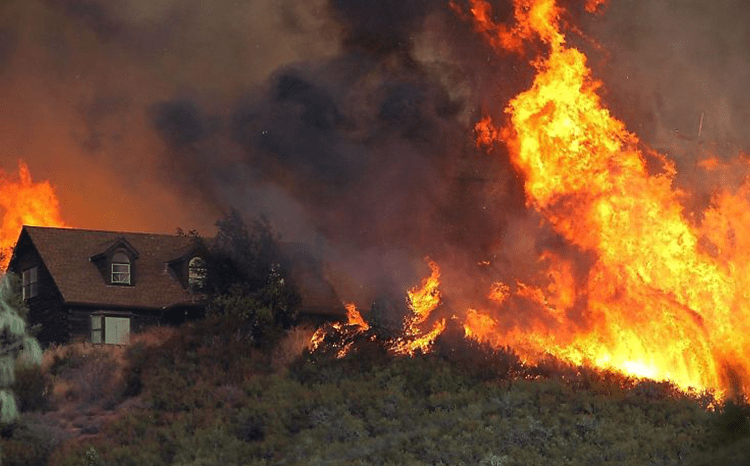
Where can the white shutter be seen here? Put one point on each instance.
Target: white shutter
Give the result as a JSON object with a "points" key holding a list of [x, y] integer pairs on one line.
{"points": [[117, 330], [96, 329]]}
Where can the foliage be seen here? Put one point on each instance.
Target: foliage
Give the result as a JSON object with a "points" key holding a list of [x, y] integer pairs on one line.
{"points": [[16, 344], [32, 387], [86, 374], [727, 443], [28, 443], [212, 400], [247, 283]]}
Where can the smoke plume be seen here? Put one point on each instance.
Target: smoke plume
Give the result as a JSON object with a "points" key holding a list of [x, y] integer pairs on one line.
{"points": [[348, 123]]}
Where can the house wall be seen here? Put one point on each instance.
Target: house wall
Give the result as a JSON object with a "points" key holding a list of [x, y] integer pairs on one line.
{"points": [[46, 309], [80, 319]]}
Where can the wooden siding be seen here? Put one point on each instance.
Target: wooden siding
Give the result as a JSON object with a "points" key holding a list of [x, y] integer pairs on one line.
{"points": [[80, 319], [46, 308]]}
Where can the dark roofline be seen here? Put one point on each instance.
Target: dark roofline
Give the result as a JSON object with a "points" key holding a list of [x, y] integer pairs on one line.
{"points": [[120, 242], [101, 231], [106, 307]]}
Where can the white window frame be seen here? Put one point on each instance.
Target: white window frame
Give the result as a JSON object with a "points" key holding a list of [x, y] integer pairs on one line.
{"points": [[120, 270], [30, 282], [120, 273]]}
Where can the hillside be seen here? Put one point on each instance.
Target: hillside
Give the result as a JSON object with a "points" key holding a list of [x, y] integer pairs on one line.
{"points": [[200, 396]]}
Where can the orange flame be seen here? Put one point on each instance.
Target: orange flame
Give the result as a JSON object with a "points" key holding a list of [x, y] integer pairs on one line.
{"points": [[354, 317], [660, 304], [23, 202], [422, 301], [426, 298]]}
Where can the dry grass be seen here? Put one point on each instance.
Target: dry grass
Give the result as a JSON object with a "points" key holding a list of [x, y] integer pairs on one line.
{"points": [[88, 377], [292, 345]]}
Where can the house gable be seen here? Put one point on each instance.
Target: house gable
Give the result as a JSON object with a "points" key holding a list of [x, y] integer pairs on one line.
{"points": [[45, 306]]}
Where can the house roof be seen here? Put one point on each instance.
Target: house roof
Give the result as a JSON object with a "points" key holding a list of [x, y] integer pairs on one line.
{"points": [[66, 252]]}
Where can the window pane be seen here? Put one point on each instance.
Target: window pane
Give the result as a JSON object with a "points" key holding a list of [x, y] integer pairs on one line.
{"points": [[121, 273], [96, 322], [29, 283], [96, 336], [121, 257], [197, 273]]}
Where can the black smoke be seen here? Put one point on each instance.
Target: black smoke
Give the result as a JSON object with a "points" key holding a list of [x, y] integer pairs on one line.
{"points": [[368, 154]]}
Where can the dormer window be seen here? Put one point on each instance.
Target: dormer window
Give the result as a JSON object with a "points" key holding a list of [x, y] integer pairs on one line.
{"points": [[197, 273], [120, 269]]}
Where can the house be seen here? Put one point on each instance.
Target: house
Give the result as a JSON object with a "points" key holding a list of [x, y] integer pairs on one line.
{"points": [[101, 286]]}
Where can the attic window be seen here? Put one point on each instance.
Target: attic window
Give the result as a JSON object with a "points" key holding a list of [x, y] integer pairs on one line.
{"points": [[197, 273], [29, 278], [120, 269]]}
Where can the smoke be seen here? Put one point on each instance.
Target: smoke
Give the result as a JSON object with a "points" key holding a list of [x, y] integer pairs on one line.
{"points": [[348, 123], [668, 64], [77, 78], [676, 74], [367, 154]]}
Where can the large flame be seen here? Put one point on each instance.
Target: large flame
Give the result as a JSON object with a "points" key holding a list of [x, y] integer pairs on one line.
{"points": [[422, 300], [661, 296], [666, 299], [24, 202]]}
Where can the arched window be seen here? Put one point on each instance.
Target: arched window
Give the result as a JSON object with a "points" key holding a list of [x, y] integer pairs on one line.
{"points": [[120, 269], [197, 273]]}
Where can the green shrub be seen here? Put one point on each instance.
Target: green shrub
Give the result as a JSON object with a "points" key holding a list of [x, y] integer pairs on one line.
{"points": [[29, 443], [32, 388], [479, 361]]}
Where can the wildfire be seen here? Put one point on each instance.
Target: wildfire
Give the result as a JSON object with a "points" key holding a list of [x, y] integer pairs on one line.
{"points": [[422, 301], [662, 296], [659, 303], [24, 202], [354, 317]]}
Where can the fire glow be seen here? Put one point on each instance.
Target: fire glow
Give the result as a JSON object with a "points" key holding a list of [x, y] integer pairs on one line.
{"points": [[659, 305], [665, 296], [24, 202]]}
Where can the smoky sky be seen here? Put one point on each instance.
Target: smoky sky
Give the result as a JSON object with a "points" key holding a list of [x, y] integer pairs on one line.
{"points": [[349, 124]]}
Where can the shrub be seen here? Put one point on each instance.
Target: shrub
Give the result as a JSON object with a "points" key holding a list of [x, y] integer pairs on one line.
{"points": [[32, 388], [29, 443], [86, 374], [480, 361]]}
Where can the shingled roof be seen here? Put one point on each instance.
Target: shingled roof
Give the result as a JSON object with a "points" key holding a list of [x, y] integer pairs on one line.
{"points": [[66, 253]]}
